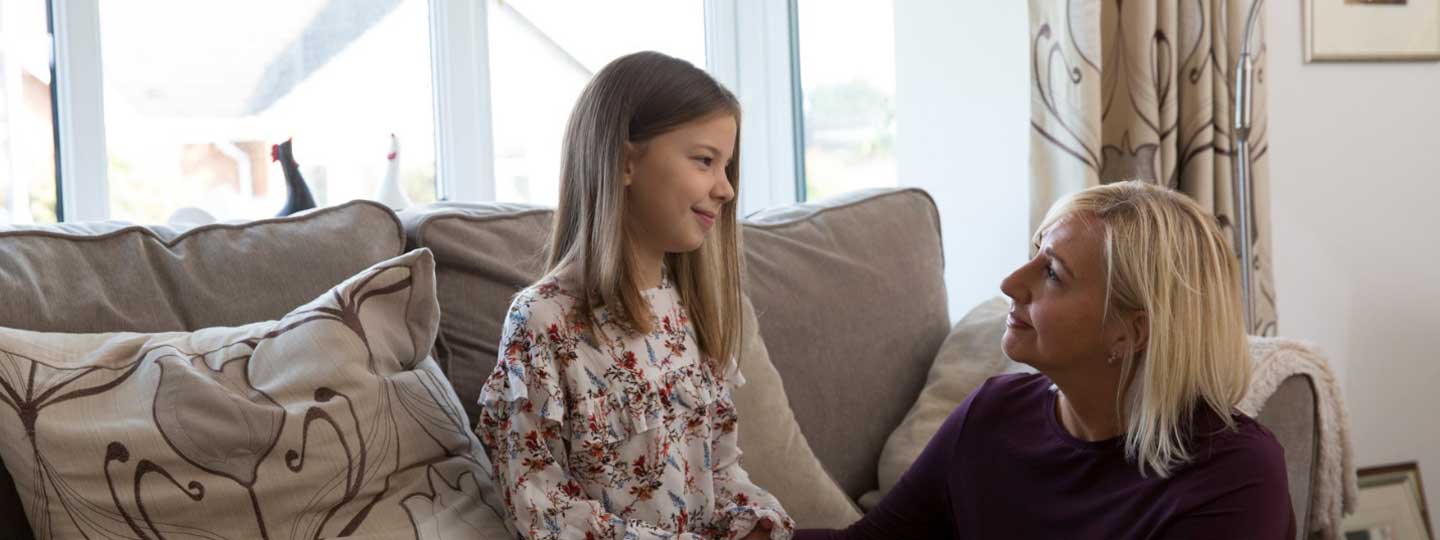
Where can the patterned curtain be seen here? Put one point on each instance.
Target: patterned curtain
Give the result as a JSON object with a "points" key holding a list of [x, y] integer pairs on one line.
{"points": [[1124, 90]]}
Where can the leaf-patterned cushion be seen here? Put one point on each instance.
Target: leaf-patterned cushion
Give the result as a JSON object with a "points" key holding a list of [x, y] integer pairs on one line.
{"points": [[332, 421]]}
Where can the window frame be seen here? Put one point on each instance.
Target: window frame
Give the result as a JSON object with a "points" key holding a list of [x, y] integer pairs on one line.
{"points": [[762, 69], [82, 180]]}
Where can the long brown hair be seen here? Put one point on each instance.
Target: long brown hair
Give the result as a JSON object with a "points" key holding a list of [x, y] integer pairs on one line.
{"points": [[634, 99]]}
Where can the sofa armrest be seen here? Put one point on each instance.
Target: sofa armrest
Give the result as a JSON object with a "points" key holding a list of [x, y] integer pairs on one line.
{"points": [[1291, 414]]}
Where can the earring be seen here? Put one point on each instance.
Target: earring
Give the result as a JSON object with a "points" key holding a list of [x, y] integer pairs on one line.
{"points": [[1113, 357]]}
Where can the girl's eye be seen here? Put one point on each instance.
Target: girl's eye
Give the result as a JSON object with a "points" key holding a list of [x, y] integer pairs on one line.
{"points": [[704, 160], [1050, 274]]}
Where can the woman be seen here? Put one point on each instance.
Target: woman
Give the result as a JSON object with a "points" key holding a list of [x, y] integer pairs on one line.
{"points": [[1130, 311]]}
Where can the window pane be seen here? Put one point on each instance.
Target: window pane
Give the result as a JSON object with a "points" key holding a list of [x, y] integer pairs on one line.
{"points": [[542, 54], [192, 125], [847, 77], [27, 141]]}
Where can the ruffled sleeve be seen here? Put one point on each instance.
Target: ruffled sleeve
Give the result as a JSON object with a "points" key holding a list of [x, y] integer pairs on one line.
{"points": [[522, 412], [740, 504]]}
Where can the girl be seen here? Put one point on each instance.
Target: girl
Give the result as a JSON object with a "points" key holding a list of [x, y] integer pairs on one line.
{"points": [[609, 413]]}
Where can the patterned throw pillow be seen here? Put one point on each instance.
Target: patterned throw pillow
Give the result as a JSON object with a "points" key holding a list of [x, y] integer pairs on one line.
{"points": [[332, 421]]}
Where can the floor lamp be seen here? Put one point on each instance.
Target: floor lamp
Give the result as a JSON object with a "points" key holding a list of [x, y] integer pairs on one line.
{"points": [[1244, 102]]}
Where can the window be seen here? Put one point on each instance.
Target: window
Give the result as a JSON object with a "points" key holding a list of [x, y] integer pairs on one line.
{"points": [[196, 93], [185, 101], [543, 52], [847, 83], [27, 141]]}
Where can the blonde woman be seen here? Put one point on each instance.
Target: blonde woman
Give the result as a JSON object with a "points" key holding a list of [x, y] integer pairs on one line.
{"points": [[609, 413], [1130, 310]]}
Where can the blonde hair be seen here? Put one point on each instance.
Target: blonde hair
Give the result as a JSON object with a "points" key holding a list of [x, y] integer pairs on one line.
{"points": [[634, 99], [1165, 256]]}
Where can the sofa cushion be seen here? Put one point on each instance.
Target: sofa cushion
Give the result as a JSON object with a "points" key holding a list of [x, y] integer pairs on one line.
{"points": [[109, 277], [850, 295], [1291, 414], [775, 451], [112, 277], [484, 253], [332, 420]]}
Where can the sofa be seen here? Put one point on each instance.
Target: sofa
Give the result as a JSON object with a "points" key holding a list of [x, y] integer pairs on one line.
{"points": [[848, 299]]}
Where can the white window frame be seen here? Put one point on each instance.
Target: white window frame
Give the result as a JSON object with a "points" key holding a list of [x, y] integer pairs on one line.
{"points": [[761, 71], [759, 67], [460, 62], [80, 108]]}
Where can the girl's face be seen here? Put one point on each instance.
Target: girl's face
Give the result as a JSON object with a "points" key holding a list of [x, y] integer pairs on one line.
{"points": [[676, 185]]}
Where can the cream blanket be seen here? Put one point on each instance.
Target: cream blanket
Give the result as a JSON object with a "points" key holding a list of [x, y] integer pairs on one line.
{"points": [[1335, 491]]}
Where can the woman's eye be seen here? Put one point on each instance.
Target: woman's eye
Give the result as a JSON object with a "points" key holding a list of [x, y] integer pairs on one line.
{"points": [[1050, 274], [704, 160]]}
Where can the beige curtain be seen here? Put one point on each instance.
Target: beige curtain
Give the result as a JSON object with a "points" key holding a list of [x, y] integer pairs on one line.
{"points": [[1140, 89]]}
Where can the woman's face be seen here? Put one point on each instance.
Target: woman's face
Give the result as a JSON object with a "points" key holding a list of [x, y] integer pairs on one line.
{"points": [[1057, 314], [676, 184]]}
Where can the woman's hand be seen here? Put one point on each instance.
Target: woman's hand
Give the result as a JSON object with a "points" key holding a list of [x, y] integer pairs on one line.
{"points": [[761, 530]]}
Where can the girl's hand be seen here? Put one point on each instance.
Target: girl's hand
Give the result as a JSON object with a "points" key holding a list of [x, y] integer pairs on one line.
{"points": [[761, 530]]}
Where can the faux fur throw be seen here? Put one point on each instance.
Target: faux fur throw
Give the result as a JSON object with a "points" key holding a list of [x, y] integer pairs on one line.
{"points": [[1335, 491]]}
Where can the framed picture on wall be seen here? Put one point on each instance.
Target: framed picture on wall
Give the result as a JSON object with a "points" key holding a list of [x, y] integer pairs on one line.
{"points": [[1361, 30], [1391, 506]]}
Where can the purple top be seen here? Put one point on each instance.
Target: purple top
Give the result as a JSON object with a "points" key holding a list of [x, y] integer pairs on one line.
{"points": [[1002, 466]]}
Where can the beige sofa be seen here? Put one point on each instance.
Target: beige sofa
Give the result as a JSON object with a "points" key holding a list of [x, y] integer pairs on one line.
{"points": [[849, 296]]}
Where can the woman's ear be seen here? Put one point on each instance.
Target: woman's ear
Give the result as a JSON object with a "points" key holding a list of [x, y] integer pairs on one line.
{"points": [[630, 155], [1131, 336], [1140, 331]]}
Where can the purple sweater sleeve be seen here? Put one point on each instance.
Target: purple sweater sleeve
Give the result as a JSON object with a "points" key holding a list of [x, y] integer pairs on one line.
{"points": [[919, 506]]}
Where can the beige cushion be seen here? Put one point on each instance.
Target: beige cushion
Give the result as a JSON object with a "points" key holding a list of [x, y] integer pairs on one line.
{"points": [[485, 253], [850, 296], [969, 355], [93, 279], [775, 452], [110, 277], [332, 420], [1291, 413]]}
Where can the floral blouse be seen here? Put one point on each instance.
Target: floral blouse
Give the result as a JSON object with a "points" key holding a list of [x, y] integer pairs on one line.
{"points": [[628, 438]]}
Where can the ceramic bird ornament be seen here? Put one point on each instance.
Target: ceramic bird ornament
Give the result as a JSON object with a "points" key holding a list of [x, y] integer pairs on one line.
{"points": [[390, 194], [298, 196]]}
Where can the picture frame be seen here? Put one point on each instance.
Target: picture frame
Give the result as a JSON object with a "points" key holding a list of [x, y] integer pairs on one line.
{"points": [[1371, 30], [1391, 505]]}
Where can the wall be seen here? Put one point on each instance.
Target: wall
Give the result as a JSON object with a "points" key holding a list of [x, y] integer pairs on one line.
{"points": [[1355, 175], [963, 133]]}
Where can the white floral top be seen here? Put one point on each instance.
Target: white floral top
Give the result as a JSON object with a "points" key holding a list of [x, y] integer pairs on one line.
{"points": [[630, 439]]}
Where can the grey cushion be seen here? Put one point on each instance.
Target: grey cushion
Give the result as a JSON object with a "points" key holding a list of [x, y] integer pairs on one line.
{"points": [[880, 247], [484, 254], [110, 277], [850, 295], [776, 453], [1290, 414]]}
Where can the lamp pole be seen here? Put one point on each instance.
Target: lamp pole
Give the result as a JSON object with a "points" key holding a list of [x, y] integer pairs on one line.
{"points": [[1244, 102]]}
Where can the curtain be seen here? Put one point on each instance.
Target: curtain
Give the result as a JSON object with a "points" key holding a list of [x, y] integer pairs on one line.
{"points": [[1124, 90]]}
